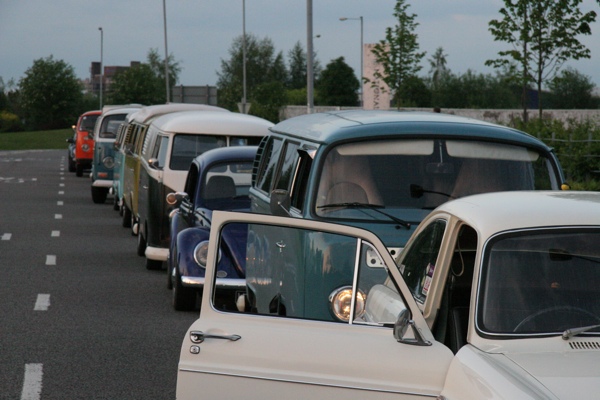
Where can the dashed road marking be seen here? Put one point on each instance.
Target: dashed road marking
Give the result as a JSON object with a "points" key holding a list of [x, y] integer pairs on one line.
{"points": [[57, 216], [6, 236], [32, 384], [42, 303], [55, 234], [60, 203], [61, 192], [50, 259]]}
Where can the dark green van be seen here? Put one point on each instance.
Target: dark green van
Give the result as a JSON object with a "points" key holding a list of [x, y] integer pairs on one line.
{"points": [[383, 171]]}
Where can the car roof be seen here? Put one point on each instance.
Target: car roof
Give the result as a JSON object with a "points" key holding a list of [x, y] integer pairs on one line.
{"points": [[344, 125], [234, 153], [125, 109], [92, 112], [146, 113], [212, 122], [490, 213]]}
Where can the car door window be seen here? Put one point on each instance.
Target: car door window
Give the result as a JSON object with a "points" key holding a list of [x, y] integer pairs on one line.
{"points": [[419, 260], [309, 274], [270, 159], [288, 166]]}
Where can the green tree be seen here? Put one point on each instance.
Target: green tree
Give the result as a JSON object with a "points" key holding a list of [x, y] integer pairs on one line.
{"points": [[49, 94], [337, 84], [398, 53], [572, 90], [138, 84], [157, 64], [267, 100], [543, 36], [437, 71], [297, 67], [263, 65], [144, 83]]}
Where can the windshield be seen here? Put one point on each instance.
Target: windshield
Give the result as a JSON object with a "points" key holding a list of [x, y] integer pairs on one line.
{"points": [[404, 176], [88, 122], [541, 282], [226, 185], [110, 125]]}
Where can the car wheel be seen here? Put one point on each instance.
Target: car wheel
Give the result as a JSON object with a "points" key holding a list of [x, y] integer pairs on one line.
{"points": [[184, 298], [116, 206], [141, 245], [99, 195], [126, 217], [79, 170], [153, 265], [71, 165]]}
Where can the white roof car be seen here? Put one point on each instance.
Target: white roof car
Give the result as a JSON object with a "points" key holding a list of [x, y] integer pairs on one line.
{"points": [[495, 296]]}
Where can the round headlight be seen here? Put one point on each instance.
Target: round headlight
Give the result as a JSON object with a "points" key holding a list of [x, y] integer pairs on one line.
{"points": [[341, 299], [108, 162], [85, 147], [201, 253]]}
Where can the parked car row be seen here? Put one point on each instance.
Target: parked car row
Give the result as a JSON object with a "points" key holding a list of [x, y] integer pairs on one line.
{"points": [[363, 254]]}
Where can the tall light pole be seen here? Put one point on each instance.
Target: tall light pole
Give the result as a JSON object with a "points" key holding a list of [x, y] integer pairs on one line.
{"points": [[310, 79], [166, 52], [361, 53], [244, 111], [101, 56]]}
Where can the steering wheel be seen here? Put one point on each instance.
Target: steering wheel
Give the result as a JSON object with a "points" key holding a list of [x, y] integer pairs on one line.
{"points": [[570, 309]]}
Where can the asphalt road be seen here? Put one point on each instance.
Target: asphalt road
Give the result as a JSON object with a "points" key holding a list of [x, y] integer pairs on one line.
{"points": [[80, 316]]}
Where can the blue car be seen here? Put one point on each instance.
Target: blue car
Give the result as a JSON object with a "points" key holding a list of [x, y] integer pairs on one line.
{"points": [[218, 179]]}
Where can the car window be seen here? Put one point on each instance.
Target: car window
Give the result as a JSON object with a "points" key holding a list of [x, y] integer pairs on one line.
{"points": [[110, 125], [288, 166], [404, 176], [160, 152], [88, 122], [270, 158], [540, 282], [309, 274], [226, 185], [419, 260], [187, 147]]}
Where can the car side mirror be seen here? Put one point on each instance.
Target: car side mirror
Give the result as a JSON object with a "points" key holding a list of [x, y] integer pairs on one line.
{"points": [[280, 203], [175, 198], [154, 163], [401, 326]]}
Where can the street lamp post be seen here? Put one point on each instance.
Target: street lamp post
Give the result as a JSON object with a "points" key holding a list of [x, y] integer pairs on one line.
{"points": [[361, 53], [244, 111], [310, 79], [166, 53], [101, 56]]}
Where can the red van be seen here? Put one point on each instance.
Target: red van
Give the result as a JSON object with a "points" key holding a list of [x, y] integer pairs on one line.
{"points": [[83, 142]]}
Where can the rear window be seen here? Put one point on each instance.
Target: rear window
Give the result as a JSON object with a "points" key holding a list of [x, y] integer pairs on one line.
{"points": [[187, 147]]}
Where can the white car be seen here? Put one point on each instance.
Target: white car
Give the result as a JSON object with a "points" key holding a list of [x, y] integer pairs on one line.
{"points": [[495, 296]]}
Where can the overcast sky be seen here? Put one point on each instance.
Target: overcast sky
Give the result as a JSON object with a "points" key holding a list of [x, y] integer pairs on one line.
{"points": [[200, 32]]}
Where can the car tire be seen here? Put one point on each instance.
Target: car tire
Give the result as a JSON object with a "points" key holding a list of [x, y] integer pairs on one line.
{"points": [[153, 265], [116, 206], [126, 221], [71, 165], [141, 245], [184, 298], [79, 170], [99, 195]]}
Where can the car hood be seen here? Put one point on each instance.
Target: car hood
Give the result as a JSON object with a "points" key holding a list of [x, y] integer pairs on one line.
{"points": [[568, 375]]}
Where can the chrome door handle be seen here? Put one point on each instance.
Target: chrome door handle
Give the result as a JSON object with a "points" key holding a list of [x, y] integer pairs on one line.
{"points": [[199, 337]]}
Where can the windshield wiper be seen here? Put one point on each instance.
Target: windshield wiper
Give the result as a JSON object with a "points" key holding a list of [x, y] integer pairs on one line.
{"points": [[569, 333], [374, 207]]}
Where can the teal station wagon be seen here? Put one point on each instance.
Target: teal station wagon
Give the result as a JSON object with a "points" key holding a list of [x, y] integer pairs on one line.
{"points": [[384, 172]]}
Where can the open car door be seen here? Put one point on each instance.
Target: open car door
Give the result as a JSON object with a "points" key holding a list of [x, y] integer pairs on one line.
{"points": [[325, 314]]}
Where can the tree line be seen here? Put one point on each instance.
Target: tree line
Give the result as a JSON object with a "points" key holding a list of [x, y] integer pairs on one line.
{"points": [[541, 36]]}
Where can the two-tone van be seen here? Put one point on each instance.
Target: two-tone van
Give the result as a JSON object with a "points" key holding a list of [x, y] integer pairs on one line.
{"points": [[172, 142], [129, 153], [105, 133], [383, 171]]}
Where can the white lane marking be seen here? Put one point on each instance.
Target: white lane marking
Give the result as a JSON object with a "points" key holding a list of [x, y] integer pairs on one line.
{"points": [[61, 192], [60, 203], [32, 384], [55, 234], [34, 179], [42, 303], [61, 185], [50, 259], [57, 216], [62, 178], [6, 236]]}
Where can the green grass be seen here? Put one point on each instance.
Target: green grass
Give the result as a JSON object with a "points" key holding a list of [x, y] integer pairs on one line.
{"points": [[37, 140]]}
